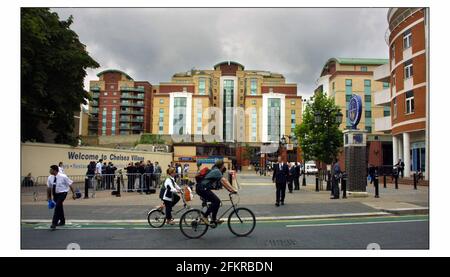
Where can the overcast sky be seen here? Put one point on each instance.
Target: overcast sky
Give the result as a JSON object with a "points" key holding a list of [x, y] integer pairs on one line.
{"points": [[153, 44]]}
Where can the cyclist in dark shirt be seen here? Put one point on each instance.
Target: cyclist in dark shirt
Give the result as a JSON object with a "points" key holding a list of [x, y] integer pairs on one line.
{"points": [[203, 189]]}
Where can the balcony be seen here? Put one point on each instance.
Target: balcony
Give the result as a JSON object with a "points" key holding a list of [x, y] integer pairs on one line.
{"points": [[137, 120], [94, 103], [383, 124], [95, 95], [94, 110], [141, 89], [137, 128], [125, 126], [125, 119], [94, 88], [131, 96], [383, 97], [132, 112], [382, 73], [132, 104]]}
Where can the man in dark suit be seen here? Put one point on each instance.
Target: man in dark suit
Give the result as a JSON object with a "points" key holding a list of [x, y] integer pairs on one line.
{"points": [[297, 176], [280, 174]]}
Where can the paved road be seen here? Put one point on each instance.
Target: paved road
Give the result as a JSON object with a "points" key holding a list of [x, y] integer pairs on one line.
{"points": [[405, 232]]}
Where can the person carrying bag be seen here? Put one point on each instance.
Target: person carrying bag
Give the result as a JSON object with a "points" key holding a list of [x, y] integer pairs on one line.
{"points": [[170, 194]]}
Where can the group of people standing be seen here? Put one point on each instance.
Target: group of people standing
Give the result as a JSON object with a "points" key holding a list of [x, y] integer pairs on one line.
{"points": [[285, 174], [143, 175]]}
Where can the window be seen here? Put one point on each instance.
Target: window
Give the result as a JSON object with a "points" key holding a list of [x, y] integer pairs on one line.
{"points": [[369, 129], [202, 86], [368, 98], [105, 94], [111, 86], [385, 85], [409, 102], [407, 39], [333, 86], [348, 82], [199, 121], [253, 102], [114, 93], [364, 68], [161, 121], [113, 127], [367, 83], [104, 122], [393, 80], [161, 101], [408, 69], [114, 101], [292, 102], [393, 51], [253, 86], [368, 114], [228, 103], [348, 97], [394, 104], [387, 111], [292, 121]]}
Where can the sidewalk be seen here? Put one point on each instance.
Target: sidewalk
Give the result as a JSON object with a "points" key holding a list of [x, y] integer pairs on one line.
{"points": [[256, 193]]}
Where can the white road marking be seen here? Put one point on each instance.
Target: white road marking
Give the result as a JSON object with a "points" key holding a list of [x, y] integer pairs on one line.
{"points": [[353, 223]]}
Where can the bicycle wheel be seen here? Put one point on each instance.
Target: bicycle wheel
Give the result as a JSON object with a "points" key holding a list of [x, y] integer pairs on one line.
{"points": [[191, 224], [156, 218], [241, 222]]}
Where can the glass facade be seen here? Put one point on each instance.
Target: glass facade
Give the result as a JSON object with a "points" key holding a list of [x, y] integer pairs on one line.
{"points": [[202, 86], [161, 121], [113, 123], [104, 122], [292, 121], [179, 115], [274, 119], [228, 103], [253, 86]]}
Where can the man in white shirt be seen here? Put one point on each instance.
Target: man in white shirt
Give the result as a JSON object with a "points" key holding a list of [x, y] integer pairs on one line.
{"points": [[58, 185], [98, 173]]}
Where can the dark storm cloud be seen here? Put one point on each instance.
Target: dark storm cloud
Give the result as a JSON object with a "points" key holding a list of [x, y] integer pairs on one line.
{"points": [[152, 44]]}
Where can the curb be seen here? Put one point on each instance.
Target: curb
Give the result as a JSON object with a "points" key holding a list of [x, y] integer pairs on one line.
{"points": [[407, 211], [272, 218]]}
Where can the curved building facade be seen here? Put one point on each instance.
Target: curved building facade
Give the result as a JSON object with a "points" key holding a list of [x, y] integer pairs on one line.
{"points": [[408, 57]]}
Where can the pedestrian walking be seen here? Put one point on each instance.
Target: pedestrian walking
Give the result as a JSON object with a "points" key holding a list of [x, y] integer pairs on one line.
{"points": [[58, 185], [279, 177], [335, 177], [400, 167], [98, 173]]}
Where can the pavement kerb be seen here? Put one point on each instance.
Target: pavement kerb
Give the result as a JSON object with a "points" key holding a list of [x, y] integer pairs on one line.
{"points": [[263, 218], [406, 211]]}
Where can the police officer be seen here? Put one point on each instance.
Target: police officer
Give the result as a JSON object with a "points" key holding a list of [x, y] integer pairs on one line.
{"points": [[58, 185]]}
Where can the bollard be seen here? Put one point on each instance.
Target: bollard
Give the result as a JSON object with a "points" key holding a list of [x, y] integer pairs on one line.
{"points": [[384, 181], [375, 183], [86, 187], [304, 179], [344, 186], [396, 181], [415, 180], [317, 182]]}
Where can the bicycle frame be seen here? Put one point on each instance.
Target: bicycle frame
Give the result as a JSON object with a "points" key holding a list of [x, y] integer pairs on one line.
{"points": [[233, 207]]}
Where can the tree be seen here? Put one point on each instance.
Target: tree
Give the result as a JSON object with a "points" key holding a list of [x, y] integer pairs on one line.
{"points": [[53, 68], [320, 141]]}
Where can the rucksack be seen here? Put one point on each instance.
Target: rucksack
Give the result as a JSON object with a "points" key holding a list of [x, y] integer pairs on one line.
{"points": [[201, 175]]}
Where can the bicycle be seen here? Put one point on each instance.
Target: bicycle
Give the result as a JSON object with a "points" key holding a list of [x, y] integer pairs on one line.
{"points": [[241, 221], [157, 217]]}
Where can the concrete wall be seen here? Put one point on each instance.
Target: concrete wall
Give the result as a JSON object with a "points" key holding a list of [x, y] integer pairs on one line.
{"points": [[37, 158]]}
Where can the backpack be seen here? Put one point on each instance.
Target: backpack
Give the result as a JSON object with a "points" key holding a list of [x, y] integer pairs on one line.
{"points": [[201, 175], [162, 191]]}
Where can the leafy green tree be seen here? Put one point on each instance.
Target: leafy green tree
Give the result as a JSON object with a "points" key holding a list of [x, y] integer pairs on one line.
{"points": [[53, 68], [320, 141]]}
